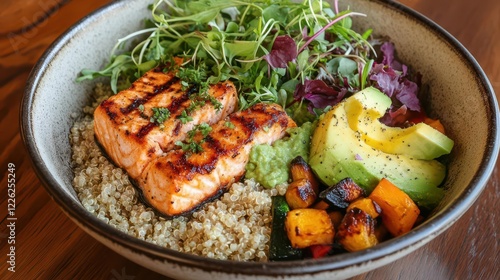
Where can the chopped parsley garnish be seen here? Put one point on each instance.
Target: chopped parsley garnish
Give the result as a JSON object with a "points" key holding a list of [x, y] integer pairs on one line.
{"points": [[217, 105], [160, 115], [195, 103], [184, 85], [191, 74], [184, 117], [203, 128], [197, 76], [229, 124], [192, 146], [200, 99]]}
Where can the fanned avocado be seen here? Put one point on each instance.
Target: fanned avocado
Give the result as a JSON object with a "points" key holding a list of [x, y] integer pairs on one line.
{"points": [[419, 141], [339, 151]]}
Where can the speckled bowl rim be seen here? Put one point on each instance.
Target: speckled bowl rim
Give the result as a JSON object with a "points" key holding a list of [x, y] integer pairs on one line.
{"points": [[401, 245]]}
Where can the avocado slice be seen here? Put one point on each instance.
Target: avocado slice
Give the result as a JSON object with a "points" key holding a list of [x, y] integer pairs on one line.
{"points": [[338, 152], [419, 141]]}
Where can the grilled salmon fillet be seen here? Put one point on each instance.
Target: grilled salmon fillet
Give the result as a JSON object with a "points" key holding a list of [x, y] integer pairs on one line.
{"points": [[180, 181], [131, 138]]}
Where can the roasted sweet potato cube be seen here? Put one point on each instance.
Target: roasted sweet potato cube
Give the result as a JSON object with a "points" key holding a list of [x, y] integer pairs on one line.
{"points": [[301, 170], [336, 217], [436, 124], [321, 205], [366, 204], [357, 231], [306, 227], [399, 212], [300, 194], [342, 193]]}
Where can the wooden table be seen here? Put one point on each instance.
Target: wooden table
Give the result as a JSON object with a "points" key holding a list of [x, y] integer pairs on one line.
{"points": [[50, 246]]}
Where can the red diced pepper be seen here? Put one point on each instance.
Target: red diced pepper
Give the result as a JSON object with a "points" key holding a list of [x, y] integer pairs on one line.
{"points": [[319, 251]]}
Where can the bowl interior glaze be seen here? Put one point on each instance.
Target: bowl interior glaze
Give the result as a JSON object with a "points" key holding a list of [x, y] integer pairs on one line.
{"points": [[460, 96]]}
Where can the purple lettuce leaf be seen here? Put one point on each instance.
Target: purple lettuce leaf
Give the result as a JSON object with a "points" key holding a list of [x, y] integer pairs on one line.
{"points": [[284, 50], [388, 51], [318, 93], [401, 90], [392, 78], [396, 116]]}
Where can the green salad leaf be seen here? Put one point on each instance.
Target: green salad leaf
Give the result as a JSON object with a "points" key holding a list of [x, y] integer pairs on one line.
{"points": [[263, 46]]}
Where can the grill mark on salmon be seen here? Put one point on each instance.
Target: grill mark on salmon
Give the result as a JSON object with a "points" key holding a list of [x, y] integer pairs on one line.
{"points": [[173, 108], [177, 104], [179, 182], [128, 136], [135, 104], [157, 90], [107, 104], [143, 131]]}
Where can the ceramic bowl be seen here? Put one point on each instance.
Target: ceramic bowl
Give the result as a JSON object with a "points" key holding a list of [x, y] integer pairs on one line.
{"points": [[461, 97]]}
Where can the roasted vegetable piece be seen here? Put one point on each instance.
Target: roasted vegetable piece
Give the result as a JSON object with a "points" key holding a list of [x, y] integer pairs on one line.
{"points": [[300, 194], [308, 226], [301, 170], [336, 217], [319, 251], [399, 212], [280, 247], [321, 205], [342, 193], [357, 231], [436, 124], [366, 204]]}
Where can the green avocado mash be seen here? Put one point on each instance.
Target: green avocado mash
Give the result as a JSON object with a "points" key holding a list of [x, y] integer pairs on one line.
{"points": [[269, 165], [300, 114]]}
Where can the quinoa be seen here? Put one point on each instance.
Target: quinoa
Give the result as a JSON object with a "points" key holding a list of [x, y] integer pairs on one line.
{"points": [[237, 226]]}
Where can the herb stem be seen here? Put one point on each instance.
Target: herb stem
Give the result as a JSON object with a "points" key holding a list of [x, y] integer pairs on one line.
{"points": [[328, 26], [237, 40], [336, 5], [128, 37]]}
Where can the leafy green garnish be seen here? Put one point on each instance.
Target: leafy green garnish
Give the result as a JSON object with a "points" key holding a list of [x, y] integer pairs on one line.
{"points": [[160, 115], [192, 146], [184, 117], [261, 45], [229, 124], [200, 99]]}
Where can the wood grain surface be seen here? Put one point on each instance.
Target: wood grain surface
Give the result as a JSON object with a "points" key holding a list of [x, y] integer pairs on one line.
{"points": [[50, 246]]}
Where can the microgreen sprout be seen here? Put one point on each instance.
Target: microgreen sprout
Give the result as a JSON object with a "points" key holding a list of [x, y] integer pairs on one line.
{"points": [[260, 45]]}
